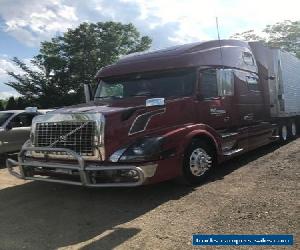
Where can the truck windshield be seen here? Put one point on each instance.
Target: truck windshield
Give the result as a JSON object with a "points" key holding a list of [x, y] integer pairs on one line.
{"points": [[168, 85], [4, 117]]}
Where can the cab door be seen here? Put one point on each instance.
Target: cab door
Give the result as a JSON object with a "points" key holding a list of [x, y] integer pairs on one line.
{"points": [[250, 101], [216, 92]]}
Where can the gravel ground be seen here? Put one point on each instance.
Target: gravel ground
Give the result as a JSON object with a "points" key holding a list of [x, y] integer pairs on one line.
{"points": [[257, 193]]}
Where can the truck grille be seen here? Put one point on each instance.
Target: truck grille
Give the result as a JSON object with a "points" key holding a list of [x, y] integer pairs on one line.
{"points": [[78, 136]]}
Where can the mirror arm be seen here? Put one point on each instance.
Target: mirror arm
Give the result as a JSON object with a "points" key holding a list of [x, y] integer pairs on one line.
{"points": [[199, 96], [270, 78]]}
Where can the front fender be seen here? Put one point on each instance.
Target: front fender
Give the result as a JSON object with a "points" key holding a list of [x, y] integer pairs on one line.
{"points": [[180, 138]]}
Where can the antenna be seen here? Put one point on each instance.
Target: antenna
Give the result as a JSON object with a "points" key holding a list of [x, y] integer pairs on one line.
{"points": [[221, 54]]}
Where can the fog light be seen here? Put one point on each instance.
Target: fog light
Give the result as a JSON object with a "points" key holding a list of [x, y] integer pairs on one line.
{"points": [[132, 173], [149, 170]]}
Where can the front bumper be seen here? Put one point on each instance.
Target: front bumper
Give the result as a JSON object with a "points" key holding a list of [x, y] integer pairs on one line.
{"points": [[86, 172]]}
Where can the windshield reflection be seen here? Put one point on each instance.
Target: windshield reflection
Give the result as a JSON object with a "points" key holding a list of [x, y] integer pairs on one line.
{"points": [[166, 85]]}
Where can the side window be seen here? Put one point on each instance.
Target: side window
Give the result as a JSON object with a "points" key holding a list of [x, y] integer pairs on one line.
{"points": [[217, 82], [209, 83], [248, 58], [22, 120], [226, 82], [252, 82]]}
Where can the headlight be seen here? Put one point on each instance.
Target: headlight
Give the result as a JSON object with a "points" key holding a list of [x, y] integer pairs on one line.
{"points": [[145, 149]]}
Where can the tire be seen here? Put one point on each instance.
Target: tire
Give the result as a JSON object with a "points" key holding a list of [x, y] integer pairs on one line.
{"points": [[283, 133], [293, 129], [199, 160], [3, 156]]}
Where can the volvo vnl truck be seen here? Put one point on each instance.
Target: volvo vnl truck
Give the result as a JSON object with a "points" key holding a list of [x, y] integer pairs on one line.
{"points": [[170, 113]]}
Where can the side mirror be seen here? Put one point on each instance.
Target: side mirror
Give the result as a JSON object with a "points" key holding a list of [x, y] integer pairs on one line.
{"points": [[271, 78], [88, 92]]}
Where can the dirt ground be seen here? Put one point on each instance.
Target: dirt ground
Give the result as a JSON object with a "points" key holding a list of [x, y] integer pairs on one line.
{"points": [[257, 193]]}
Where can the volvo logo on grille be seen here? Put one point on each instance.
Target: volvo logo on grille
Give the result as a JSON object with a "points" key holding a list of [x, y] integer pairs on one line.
{"points": [[63, 138]]}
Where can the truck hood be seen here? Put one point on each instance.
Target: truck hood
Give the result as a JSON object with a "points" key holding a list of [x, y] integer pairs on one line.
{"points": [[103, 107], [127, 109], [126, 121]]}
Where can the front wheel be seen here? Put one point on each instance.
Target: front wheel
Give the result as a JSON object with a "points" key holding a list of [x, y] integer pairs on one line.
{"points": [[198, 162]]}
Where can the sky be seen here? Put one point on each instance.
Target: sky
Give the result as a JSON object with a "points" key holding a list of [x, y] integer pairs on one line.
{"points": [[25, 23]]}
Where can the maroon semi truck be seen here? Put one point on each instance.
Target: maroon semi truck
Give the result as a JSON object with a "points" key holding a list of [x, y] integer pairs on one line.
{"points": [[176, 112]]}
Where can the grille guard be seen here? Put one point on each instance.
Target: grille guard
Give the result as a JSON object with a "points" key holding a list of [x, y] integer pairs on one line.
{"points": [[81, 167]]}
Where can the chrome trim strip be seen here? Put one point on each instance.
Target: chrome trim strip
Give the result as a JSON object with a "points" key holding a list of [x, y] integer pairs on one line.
{"points": [[155, 112]]}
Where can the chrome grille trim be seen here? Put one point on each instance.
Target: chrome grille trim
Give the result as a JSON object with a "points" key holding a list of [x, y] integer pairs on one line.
{"points": [[70, 121], [74, 135]]}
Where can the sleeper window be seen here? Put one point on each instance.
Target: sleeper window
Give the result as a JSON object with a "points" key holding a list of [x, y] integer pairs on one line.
{"points": [[248, 58]]}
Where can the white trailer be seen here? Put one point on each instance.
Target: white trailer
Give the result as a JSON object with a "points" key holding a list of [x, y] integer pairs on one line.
{"points": [[281, 73], [286, 96]]}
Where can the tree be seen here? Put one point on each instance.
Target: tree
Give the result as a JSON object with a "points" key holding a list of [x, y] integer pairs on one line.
{"points": [[248, 35], [284, 35], [22, 103], [65, 63], [11, 104], [1, 105]]}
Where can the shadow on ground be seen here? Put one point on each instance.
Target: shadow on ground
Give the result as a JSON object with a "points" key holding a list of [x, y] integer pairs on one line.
{"points": [[2, 163], [48, 216], [4, 157], [237, 162]]}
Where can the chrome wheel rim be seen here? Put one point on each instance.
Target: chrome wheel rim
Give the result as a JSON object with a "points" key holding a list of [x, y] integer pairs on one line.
{"points": [[200, 162], [294, 129], [284, 132]]}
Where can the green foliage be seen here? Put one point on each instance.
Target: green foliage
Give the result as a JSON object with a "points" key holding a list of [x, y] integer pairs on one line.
{"points": [[284, 35], [22, 103], [248, 35], [15, 103], [4, 102], [67, 62], [1, 105], [11, 104]]}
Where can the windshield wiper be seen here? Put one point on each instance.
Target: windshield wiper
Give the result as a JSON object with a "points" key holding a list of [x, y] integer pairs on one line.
{"points": [[112, 97], [143, 94]]}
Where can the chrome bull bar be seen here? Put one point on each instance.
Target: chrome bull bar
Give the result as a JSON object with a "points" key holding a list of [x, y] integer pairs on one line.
{"points": [[83, 169]]}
